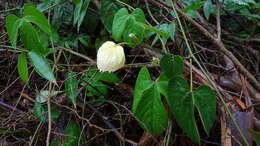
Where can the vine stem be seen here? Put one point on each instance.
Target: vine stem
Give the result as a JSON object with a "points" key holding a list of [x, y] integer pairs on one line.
{"points": [[78, 54], [49, 98], [191, 86], [49, 115], [130, 7], [9, 10], [210, 80]]}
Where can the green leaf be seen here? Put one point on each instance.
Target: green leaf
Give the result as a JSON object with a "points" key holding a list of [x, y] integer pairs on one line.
{"points": [[205, 102], [32, 14], [242, 2], [154, 29], [169, 29], [76, 1], [256, 136], [143, 82], [44, 39], [54, 143], [165, 30], [84, 40], [96, 88], [92, 22], [150, 111], [172, 65], [194, 6], [249, 15], [41, 66], [13, 23], [72, 135], [62, 15], [71, 87], [119, 23], [181, 104], [43, 95], [55, 36], [256, 6], [94, 81], [22, 68], [125, 24], [80, 12], [107, 76], [162, 84], [55, 112], [208, 8], [134, 27], [30, 38], [107, 12], [41, 112], [135, 30], [57, 1], [147, 104]]}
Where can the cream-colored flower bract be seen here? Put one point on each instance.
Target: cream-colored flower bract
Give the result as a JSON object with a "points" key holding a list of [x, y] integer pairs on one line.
{"points": [[110, 57]]}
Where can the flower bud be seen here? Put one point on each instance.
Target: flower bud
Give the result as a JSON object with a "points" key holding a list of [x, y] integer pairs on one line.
{"points": [[110, 57], [132, 35]]}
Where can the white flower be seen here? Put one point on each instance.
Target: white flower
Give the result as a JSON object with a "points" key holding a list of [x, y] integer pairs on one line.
{"points": [[110, 57]]}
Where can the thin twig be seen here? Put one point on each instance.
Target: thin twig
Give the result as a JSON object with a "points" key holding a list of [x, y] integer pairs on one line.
{"points": [[9, 10], [218, 19], [11, 107], [150, 13], [111, 126], [49, 99], [49, 115], [78, 54]]}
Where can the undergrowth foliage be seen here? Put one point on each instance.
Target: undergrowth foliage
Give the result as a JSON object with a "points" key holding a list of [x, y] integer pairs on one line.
{"points": [[182, 99], [39, 37]]}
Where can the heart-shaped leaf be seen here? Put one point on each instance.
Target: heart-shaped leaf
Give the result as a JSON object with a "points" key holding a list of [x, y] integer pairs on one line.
{"points": [[143, 82], [172, 65], [182, 101], [119, 23], [134, 31], [129, 26], [147, 105], [162, 84], [205, 103], [151, 112], [181, 104]]}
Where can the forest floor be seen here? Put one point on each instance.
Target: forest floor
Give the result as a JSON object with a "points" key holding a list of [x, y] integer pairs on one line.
{"points": [[109, 120]]}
